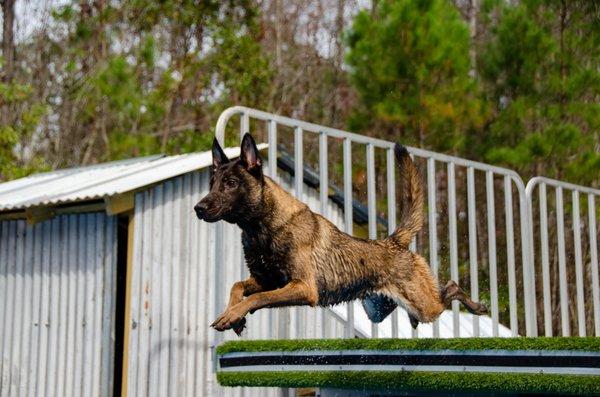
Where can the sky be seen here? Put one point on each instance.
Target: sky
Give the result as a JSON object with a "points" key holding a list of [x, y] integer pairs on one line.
{"points": [[31, 15], [34, 14]]}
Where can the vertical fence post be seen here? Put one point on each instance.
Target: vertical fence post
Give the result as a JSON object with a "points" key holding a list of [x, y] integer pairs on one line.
{"points": [[414, 332], [272, 138], [299, 193], [594, 262], [372, 210], [275, 320], [348, 220], [545, 260], [244, 124], [391, 210], [578, 263], [453, 243], [562, 263], [323, 173], [472, 218], [324, 201], [527, 254], [432, 212], [510, 256], [298, 164], [491, 218]]}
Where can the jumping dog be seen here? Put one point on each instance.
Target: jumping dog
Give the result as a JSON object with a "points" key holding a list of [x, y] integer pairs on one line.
{"points": [[297, 257]]}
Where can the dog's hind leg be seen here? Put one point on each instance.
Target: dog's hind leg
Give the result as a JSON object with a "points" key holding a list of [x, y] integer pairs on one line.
{"points": [[418, 293], [452, 291], [378, 307]]}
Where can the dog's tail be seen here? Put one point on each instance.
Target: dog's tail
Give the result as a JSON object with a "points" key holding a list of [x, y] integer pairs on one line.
{"points": [[411, 218]]}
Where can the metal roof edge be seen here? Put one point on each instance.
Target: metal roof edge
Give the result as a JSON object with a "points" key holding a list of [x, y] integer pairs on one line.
{"points": [[138, 174]]}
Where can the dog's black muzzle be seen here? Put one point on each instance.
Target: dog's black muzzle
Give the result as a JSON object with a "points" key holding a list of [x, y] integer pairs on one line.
{"points": [[205, 212], [200, 209]]}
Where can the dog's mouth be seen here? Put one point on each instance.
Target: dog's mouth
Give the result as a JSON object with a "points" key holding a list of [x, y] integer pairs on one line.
{"points": [[209, 216], [211, 219], [206, 213]]}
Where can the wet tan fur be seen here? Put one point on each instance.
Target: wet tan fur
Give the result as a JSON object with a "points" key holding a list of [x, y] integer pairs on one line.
{"points": [[297, 257]]}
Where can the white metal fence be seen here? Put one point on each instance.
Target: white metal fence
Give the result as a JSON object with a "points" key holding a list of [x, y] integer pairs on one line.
{"points": [[574, 255], [472, 232]]}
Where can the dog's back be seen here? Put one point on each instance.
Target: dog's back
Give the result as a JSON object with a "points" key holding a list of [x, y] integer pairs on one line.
{"points": [[344, 267]]}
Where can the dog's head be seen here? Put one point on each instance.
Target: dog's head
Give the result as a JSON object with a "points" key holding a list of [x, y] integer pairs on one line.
{"points": [[236, 187]]}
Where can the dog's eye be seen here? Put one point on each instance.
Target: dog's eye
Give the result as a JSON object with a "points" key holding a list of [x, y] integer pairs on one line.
{"points": [[231, 183]]}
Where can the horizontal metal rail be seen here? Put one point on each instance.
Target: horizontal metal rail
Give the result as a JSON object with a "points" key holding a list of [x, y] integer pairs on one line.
{"points": [[227, 114]]}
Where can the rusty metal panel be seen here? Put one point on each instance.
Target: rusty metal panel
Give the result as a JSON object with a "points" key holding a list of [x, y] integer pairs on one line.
{"points": [[56, 306]]}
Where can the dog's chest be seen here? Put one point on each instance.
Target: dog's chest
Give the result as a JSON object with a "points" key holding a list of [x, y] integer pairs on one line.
{"points": [[267, 260]]}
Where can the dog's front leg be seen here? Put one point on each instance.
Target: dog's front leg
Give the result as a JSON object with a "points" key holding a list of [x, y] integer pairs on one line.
{"points": [[239, 290], [295, 293]]}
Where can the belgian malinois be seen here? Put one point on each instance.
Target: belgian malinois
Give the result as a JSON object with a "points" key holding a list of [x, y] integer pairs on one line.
{"points": [[297, 257]]}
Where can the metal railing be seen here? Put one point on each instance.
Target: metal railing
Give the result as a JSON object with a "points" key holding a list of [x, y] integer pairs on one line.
{"points": [[519, 301], [545, 260]]}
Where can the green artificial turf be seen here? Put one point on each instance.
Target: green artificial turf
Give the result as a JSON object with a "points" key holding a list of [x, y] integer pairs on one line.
{"points": [[420, 381], [468, 382], [540, 343]]}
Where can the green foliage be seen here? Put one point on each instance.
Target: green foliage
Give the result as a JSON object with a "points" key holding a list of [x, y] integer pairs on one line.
{"points": [[537, 110], [135, 77], [543, 79], [406, 381], [411, 71], [244, 72], [20, 123], [144, 77], [515, 64]]}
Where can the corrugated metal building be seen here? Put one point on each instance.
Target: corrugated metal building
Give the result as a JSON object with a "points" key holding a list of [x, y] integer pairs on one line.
{"points": [[57, 306], [108, 283]]}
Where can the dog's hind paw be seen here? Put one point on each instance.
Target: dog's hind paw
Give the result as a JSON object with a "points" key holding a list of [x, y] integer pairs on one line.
{"points": [[477, 308], [483, 309]]}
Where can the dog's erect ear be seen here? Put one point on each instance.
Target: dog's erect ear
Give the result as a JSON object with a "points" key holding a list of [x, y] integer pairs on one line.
{"points": [[218, 155], [250, 156]]}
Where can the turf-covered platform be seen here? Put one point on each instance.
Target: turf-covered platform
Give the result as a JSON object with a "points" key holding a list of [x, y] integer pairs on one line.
{"points": [[470, 365]]}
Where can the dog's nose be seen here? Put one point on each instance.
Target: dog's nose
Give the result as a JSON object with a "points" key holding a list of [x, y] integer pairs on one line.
{"points": [[200, 209]]}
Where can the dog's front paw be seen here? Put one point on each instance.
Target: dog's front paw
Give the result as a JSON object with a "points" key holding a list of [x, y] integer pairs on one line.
{"points": [[232, 318], [239, 327]]}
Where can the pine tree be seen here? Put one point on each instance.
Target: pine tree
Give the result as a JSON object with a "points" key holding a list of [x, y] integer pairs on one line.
{"points": [[410, 65], [542, 76]]}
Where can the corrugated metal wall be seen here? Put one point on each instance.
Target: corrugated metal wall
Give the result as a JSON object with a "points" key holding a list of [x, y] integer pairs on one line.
{"points": [[176, 288], [56, 306]]}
